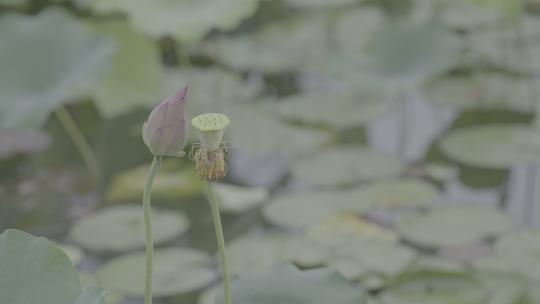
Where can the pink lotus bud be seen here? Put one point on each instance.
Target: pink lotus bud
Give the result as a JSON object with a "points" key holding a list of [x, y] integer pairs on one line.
{"points": [[165, 131]]}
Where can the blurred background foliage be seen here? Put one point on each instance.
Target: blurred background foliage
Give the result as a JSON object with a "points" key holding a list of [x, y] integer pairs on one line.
{"points": [[394, 141]]}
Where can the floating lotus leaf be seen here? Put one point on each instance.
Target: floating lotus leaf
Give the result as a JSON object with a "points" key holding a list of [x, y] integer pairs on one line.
{"points": [[437, 263], [522, 265], [253, 130], [288, 285], [186, 20], [209, 295], [421, 50], [210, 89], [283, 210], [34, 270], [40, 71], [260, 253], [398, 193], [89, 280], [496, 146], [176, 271], [74, 253], [503, 288], [355, 27], [345, 165], [121, 228], [92, 295], [171, 182], [360, 250], [404, 54], [380, 258], [340, 110], [277, 47], [467, 15], [521, 242], [238, 199], [429, 287], [439, 171], [136, 73], [343, 230], [483, 91], [15, 3], [533, 294], [321, 4], [506, 49], [453, 225]]}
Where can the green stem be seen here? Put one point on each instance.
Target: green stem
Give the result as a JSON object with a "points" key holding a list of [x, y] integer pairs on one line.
{"points": [[85, 150], [148, 229], [221, 242]]}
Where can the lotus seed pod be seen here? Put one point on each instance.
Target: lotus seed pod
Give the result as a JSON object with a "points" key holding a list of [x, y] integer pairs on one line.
{"points": [[210, 129], [165, 131], [210, 155]]}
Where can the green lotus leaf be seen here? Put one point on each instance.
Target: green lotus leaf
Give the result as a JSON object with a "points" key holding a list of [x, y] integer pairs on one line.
{"points": [[355, 28], [345, 165], [210, 89], [136, 73], [399, 193], [503, 288], [283, 210], [482, 91], [429, 287], [15, 3], [40, 71], [493, 46], [172, 182], [320, 4], [260, 253], [494, 146], [92, 295], [176, 271], [373, 260], [186, 20], [360, 250], [75, 254], [520, 242], [520, 265], [437, 263], [533, 294], [34, 270], [467, 15], [275, 48], [403, 55], [453, 225], [121, 228], [341, 110], [238, 199], [88, 280], [343, 230], [288, 285], [254, 130]]}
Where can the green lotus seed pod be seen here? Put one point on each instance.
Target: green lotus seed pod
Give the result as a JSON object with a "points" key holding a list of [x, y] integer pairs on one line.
{"points": [[210, 129]]}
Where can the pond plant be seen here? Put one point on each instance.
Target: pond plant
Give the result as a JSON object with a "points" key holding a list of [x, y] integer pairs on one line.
{"points": [[359, 129], [210, 157], [165, 134]]}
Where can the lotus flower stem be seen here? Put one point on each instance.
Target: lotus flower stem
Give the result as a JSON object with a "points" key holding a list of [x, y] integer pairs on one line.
{"points": [[148, 229], [220, 241], [85, 150]]}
